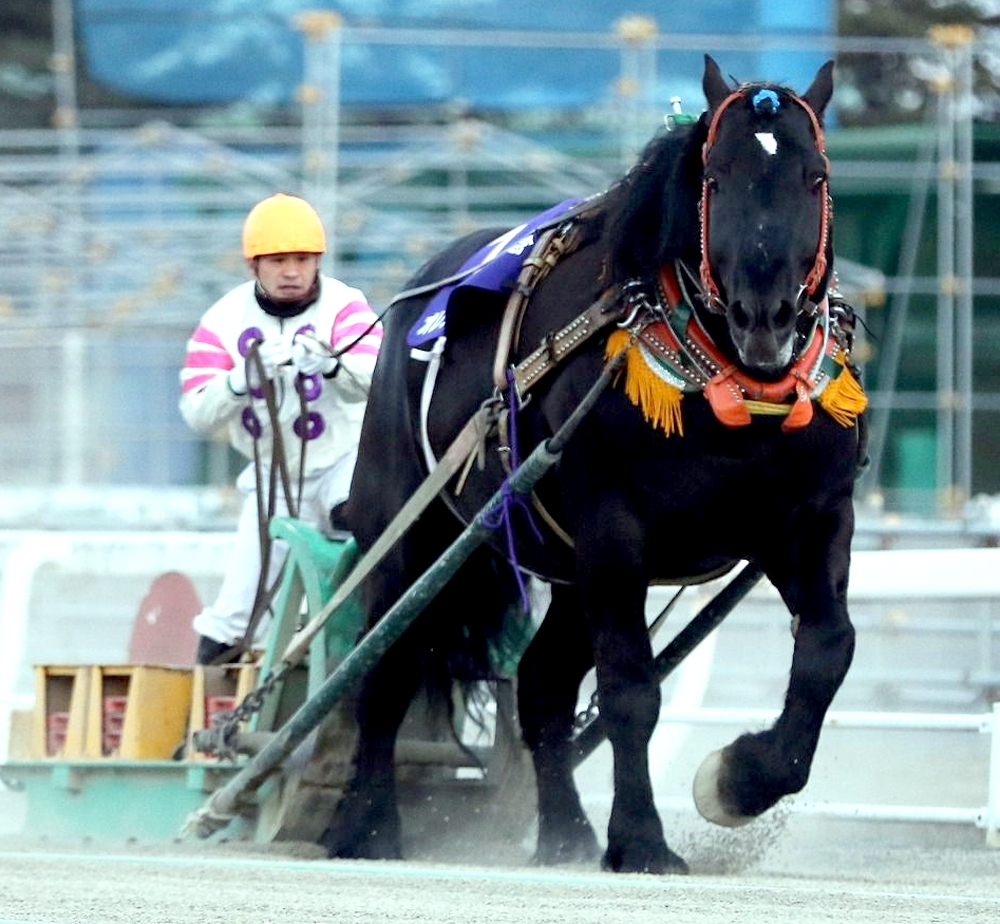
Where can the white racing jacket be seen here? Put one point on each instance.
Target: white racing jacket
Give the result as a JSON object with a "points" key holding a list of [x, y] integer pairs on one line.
{"points": [[331, 423]]}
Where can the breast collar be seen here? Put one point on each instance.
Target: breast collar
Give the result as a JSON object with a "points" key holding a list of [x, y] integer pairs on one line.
{"points": [[680, 352]]}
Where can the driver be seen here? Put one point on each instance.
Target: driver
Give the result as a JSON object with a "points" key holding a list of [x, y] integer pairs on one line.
{"points": [[316, 337]]}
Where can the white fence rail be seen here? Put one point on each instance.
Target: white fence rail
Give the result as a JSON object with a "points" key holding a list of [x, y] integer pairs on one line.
{"points": [[986, 817]]}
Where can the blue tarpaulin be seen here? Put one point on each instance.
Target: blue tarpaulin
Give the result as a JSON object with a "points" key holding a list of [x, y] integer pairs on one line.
{"points": [[217, 51]]}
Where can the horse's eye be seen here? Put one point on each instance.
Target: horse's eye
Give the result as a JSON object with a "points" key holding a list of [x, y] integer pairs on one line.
{"points": [[712, 183], [818, 180]]}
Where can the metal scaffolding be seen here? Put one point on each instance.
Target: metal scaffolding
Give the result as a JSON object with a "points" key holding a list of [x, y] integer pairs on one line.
{"points": [[127, 235]]}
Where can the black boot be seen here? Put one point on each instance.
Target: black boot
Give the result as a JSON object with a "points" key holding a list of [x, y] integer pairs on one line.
{"points": [[212, 652]]}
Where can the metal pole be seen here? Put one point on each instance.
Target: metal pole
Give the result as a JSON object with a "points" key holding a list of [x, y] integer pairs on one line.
{"points": [[888, 367], [65, 118], [221, 806], [945, 471], [636, 81], [70, 224], [993, 795], [63, 66], [954, 266], [964, 269], [73, 417], [319, 95]]}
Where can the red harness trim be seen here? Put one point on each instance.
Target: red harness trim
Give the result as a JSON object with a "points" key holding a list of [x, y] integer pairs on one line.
{"points": [[729, 389], [818, 270]]}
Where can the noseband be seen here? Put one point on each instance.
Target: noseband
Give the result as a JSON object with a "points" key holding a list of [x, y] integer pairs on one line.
{"points": [[817, 273]]}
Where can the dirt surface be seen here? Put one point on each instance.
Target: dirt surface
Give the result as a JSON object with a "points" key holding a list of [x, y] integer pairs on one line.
{"points": [[778, 870], [789, 867]]}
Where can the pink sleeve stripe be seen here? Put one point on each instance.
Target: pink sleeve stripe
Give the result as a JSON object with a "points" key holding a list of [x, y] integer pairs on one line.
{"points": [[350, 331], [356, 307], [205, 359], [195, 382], [364, 348], [207, 337]]}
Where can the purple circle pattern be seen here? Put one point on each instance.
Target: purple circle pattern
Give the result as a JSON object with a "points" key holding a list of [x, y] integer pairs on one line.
{"points": [[310, 426], [250, 336], [309, 386], [251, 423]]}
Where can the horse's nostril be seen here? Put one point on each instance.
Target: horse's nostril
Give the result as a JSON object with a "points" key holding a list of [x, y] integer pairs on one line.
{"points": [[784, 315], [739, 316]]}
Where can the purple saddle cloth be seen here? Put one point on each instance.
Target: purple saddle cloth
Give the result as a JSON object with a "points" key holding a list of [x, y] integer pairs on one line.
{"points": [[494, 267]]}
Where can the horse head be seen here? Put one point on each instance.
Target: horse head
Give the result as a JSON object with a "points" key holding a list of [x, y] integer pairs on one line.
{"points": [[766, 251]]}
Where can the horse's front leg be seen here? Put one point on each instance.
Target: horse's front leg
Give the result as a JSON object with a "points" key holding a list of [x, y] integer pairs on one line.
{"points": [[741, 781], [614, 584]]}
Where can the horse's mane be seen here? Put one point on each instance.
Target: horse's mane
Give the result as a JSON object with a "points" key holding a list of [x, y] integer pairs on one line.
{"points": [[651, 214]]}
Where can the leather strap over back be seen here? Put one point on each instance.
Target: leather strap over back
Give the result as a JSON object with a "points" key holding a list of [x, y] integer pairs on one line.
{"points": [[552, 245]]}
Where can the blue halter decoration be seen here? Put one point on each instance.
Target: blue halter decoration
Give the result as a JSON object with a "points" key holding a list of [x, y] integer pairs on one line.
{"points": [[766, 100]]}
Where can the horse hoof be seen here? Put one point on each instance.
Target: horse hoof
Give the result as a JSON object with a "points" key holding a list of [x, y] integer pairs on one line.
{"points": [[562, 844], [706, 794], [662, 862]]}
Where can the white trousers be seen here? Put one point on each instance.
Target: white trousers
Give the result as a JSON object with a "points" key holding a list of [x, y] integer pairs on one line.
{"points": [[226, 620]]}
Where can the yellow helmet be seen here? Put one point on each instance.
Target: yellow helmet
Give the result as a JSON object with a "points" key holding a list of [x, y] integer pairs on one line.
{"points": [[282, 224]]}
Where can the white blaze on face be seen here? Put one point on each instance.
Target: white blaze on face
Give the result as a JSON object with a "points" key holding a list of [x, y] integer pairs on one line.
{"points": [[767, 141]]}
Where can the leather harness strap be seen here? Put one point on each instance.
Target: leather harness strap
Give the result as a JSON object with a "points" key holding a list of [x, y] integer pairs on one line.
{"points": [[817, 271], [552, 245], [556, 347]]}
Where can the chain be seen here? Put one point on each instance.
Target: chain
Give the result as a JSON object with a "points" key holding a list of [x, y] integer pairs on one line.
{"points": [[587, 716], [220, 739]]}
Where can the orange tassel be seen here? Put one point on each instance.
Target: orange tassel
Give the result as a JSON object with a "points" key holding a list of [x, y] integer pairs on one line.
{"points": [[659, 401], [843, 398]]}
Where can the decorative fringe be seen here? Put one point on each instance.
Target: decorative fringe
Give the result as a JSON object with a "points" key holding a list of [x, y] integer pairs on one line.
{"points": [[659, 401], [843, 398]]}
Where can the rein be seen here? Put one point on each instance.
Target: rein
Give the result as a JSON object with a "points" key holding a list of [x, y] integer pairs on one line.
{"points": [[817, 272], [278, 472]]}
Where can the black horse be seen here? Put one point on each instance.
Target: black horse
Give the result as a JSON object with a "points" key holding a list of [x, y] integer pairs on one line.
{"points": [[732, 432]]}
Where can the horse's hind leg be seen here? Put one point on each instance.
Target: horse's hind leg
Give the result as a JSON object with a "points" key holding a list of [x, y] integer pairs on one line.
{"points": [[549, 678], [749, 776]]}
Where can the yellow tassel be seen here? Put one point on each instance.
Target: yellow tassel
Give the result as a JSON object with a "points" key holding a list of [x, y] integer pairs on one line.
{"points": [[843, 398], [618, 341], [659, 401]]}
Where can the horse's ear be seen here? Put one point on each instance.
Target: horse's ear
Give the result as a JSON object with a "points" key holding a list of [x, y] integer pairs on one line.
{"points": [[821, 89], [714, 84]]}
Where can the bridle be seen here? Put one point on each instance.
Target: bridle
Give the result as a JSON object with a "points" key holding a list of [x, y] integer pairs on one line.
{"points": [[816, 274]]}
